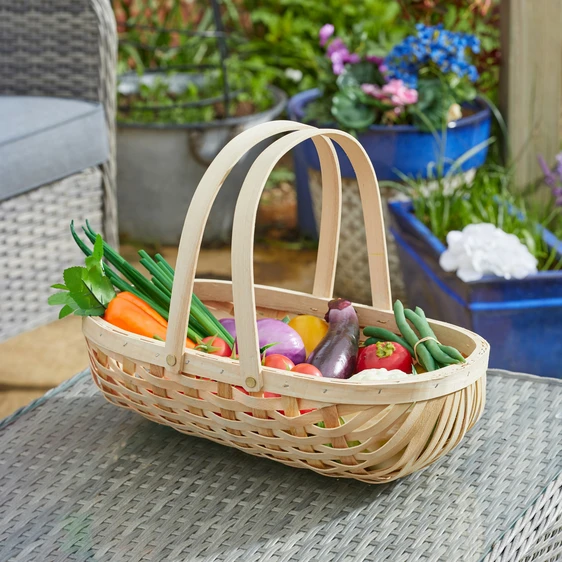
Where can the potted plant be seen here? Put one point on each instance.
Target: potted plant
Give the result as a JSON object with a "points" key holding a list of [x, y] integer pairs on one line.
{"points": [[414, 110], [520, 316], [187, 95], [170, 127]]}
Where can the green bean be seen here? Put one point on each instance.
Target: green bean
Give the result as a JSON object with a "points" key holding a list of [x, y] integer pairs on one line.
{"points": [[382, 334], [450, 351], [425, 357], [425, 331]]}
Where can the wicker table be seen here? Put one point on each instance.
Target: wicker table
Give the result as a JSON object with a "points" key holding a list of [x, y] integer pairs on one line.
{"points": [[83, 480]]}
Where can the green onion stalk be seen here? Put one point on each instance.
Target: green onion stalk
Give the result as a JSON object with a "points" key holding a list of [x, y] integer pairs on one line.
{"points": [[156, 291]]}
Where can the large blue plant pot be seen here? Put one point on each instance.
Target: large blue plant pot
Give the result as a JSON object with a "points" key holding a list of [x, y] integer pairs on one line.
{"points": [[521, 319], [402, 147]]}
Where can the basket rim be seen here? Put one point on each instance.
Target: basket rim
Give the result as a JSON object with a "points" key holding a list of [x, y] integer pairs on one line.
{"points": [[223, 369]]}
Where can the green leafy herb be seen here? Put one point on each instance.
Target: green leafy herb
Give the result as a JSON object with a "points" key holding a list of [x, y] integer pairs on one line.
{"points": [[86, 290]]}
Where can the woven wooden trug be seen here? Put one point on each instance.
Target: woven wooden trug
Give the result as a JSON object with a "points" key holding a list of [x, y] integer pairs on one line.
{"points": [[374, 432]]}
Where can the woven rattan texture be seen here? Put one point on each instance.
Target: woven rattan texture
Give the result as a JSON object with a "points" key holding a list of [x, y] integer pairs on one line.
{"points": [[352, 275], [83, 480], [35, 246], [549, 547], [64, 48]]}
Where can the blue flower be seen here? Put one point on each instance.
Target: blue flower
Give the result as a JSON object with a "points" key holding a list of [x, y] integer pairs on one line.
{"points": [[446, 49]]}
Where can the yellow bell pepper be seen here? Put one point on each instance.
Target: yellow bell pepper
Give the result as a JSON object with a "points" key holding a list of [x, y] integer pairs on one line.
{"points": [[311, 329]]}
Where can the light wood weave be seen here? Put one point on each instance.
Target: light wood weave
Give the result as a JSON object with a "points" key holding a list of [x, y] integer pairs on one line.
{"points": [[374, 432]]}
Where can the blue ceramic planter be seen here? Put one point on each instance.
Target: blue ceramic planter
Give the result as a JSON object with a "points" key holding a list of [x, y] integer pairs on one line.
{"points": [[402, 147], [521, 319]]}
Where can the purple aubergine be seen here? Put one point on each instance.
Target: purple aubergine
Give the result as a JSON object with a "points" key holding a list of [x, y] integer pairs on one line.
{"points": [[287, 341], [336, 354]]}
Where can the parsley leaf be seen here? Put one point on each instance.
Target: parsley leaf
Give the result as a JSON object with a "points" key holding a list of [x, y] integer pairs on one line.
{"points": [[86, 290]]}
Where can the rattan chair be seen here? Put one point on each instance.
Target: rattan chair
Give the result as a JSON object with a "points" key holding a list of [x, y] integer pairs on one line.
{"points": [[53, 49]]}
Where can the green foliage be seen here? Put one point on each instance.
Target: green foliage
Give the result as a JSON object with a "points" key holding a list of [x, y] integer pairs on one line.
{"points": [[284, 33], [86, 290], [445, 203], [249, 94], [350, 110], [434, 100], [269, 36], [276, 42], [280, 174]]}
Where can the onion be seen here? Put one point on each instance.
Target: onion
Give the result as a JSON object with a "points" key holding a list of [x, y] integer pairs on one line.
{"points": [[288, 342]]}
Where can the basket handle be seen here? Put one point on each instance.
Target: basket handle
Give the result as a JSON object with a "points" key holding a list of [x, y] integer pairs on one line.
{"points": [[243, 237], [200, 207]]}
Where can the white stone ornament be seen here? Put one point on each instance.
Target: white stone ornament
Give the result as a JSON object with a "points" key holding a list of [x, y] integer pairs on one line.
{"points": [[483, 249]]}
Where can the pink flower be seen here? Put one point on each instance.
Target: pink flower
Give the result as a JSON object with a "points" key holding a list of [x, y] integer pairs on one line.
{"points": [[326, 31], [372, 90], [394, 92]]}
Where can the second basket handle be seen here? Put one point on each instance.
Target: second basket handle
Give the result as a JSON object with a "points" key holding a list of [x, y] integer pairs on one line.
{"points": [[243, 239]]}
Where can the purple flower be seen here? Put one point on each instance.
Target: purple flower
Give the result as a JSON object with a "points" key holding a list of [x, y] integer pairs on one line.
{"points": [[374, 59], [326, 31], [549, 178], [336, 45], [338, 63], [352, 58], [553, 178], [339, 54]]}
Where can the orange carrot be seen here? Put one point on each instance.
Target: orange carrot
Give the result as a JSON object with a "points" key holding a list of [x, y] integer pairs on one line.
{"points": [[141, 304], [124, 313]]}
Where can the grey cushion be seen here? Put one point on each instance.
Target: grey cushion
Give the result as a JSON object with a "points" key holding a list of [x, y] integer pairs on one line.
{"points": [[45, 139]]}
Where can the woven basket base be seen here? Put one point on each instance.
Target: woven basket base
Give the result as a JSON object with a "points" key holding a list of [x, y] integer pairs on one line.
{"points": [[373, 443]]}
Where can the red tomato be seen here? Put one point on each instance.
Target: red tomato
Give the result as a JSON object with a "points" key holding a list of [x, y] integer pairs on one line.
{"points": [[384, 355], [214, 346], [306, 369], [278, 362]]}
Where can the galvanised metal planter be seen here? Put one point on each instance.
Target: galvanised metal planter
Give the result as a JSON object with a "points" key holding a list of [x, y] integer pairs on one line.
{"points": [[521, 319], [159, 167]]}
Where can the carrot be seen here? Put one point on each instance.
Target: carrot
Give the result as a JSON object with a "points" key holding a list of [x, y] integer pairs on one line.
{"points": [[127, 315], [141, 304]]}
